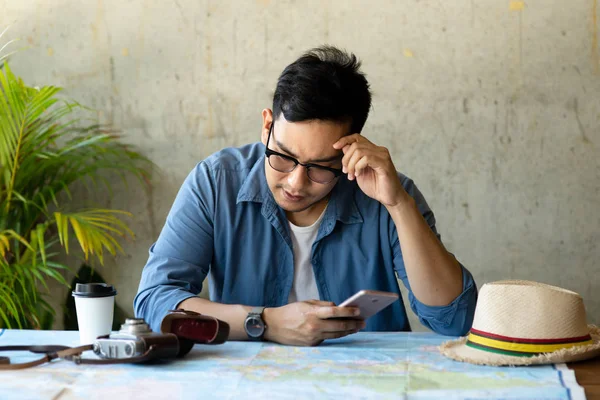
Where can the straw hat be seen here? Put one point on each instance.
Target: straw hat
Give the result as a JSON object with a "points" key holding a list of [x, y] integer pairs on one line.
{"points": [[525, 323]]}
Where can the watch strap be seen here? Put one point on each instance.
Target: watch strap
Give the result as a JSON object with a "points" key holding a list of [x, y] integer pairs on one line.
{"points": [[257, 311]]}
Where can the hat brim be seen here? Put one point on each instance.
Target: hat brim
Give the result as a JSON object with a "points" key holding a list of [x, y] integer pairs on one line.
{"points": [[459, 351]]}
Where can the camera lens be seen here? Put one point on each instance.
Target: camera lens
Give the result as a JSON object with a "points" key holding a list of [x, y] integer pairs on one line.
{"points": [[135, 326]]}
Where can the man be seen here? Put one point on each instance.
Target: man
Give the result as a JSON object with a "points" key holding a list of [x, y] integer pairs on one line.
{"points": [[302, 221]]}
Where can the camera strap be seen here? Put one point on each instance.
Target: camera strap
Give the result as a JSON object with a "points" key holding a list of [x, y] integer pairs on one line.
{"points": [[181, 329], [67, 353]]}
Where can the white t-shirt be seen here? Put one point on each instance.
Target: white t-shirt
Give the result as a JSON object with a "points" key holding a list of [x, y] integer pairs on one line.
{"points": [[304, 286]]}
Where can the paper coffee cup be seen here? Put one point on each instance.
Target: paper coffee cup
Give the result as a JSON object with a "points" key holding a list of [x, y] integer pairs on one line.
{"points": [[94, 303]]}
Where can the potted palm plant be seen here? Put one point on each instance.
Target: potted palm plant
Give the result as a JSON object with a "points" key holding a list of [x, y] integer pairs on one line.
{"points": [[47, 147]]}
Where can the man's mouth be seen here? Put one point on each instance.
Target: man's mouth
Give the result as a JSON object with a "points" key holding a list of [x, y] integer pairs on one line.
{"points": [[290, 197]]}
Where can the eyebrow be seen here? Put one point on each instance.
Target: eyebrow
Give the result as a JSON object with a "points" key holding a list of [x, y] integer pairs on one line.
{"points": [[326, 159]]}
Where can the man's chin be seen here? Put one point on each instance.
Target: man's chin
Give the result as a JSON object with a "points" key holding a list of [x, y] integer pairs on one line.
{"points": [[293, 208]]}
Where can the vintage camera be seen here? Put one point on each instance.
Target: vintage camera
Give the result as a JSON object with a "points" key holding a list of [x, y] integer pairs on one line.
{"points": [[180, 330], [134, 339]]}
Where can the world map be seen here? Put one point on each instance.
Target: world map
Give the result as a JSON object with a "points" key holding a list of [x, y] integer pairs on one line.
{"points": [[364, 365]]}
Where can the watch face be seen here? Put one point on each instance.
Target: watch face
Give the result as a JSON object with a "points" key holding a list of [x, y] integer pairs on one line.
{"points": [[255, 327]]}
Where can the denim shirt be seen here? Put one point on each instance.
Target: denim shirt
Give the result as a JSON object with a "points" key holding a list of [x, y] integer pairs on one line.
{"points": [[225, 224]]}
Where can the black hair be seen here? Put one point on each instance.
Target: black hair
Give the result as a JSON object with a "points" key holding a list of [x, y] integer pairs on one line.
{"points": [[323, 84]]}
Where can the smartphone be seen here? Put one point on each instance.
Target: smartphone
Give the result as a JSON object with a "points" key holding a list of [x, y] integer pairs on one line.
{"points": [[370, 302]]}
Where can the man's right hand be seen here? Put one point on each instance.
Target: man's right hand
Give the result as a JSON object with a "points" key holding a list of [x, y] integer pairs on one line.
{"points": [[308, 323]]}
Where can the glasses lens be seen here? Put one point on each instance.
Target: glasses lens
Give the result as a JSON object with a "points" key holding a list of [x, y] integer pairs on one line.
{"points": [[320, 175], [281, 164]]}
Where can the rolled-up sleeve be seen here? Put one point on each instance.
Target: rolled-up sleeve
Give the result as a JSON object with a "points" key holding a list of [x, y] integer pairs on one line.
{"points": [[179, 261], [454, 319]]}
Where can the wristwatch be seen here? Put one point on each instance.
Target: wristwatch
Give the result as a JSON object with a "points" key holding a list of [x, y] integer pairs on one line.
{"points": [[254, 325]]}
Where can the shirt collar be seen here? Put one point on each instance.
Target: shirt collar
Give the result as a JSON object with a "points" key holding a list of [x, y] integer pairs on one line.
{"points": [[342, 203], [255, 187]]}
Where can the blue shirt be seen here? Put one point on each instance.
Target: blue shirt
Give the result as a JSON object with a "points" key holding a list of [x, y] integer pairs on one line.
{"points": [[225, 224]]}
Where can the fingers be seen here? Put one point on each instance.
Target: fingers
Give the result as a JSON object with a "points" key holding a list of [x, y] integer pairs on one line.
{"points": [[360, 166], [354, 325], [321, 303], [349, 151], [336, 335], [332, 329], [357, 155], [312, 321], [346, 140], [337, 312]]}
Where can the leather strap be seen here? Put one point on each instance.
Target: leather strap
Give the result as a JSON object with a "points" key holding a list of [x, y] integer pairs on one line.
{"points": [[258, 311], [68, 353], [50, 353]]}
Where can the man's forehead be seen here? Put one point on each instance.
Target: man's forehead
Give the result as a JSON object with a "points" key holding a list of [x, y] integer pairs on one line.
{"points": [[309, 142]]}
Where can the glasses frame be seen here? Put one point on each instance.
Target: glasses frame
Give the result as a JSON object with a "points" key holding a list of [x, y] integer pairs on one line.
{"points": [[268, 153]]}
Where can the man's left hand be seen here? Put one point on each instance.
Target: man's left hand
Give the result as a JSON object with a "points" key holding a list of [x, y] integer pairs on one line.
{"points": [[373, 169]]}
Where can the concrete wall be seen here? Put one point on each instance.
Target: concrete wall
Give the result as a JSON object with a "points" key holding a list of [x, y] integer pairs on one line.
{"points": [[492, 106]]}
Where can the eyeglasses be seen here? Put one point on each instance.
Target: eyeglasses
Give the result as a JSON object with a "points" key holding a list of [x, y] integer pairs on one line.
{"points": [[284, 163]]}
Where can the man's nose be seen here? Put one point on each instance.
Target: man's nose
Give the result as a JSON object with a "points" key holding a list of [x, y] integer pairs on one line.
{"points": [[298, 178]]}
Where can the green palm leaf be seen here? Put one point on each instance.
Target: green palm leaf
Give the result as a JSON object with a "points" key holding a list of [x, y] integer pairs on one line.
{"points": [[46, 146]]}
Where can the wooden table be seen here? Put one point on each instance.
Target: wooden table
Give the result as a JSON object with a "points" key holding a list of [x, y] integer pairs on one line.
{"points": [[588, 376]]}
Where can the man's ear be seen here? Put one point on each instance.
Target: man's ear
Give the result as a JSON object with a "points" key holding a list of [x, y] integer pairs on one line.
{"points": [[267, 116]]}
